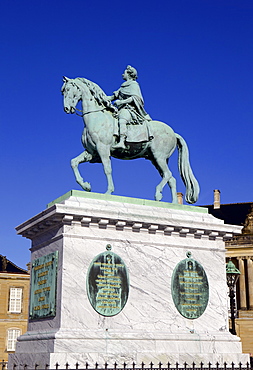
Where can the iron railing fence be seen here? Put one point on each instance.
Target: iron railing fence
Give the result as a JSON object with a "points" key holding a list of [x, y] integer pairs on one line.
{"points": [[134, 366]]}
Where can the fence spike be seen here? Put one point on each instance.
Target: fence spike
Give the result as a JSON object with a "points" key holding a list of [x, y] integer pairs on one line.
{"points": [[177, 364], [217, 365], [225, 365], [106, 365], [201, 365], [25, 366], [86, 365], [67, 365], [193, 365], [124, 365], [133, 365], [142, 365], [247, 364], [151, 365], [240, 365], [168, 365], [35, 366], [14, 366], [77, 365], [160, 365], [46, 366], [96, 365], [209, 365], [233, 365], [115, 365]]}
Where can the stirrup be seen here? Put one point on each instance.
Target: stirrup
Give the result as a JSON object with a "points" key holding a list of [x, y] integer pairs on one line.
{"points": [[119, 145]]}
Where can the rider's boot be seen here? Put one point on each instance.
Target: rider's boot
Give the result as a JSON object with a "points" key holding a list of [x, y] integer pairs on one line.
{"points": [[121, 143]]}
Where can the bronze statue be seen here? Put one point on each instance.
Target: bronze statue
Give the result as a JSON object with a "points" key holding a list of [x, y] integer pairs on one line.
{"points": [[140, 137]]}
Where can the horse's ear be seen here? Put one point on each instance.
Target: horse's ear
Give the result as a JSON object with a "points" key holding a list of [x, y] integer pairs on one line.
{"points": [[65, 79]]}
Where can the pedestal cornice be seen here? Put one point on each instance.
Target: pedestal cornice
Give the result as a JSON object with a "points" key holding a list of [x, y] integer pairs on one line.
{"points": [[108, 211]]}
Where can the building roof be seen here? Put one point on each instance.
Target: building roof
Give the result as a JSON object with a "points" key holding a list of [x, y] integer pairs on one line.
{"points": [[234, 213], [9, 267]]}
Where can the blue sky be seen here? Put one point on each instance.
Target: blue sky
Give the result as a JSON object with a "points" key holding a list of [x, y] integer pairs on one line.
{"points": [[194, 60]]}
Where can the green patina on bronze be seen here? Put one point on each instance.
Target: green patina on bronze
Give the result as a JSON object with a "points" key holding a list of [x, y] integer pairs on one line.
{"points": [[107, 283], [190, 290], [43, 286], [121, 199], [118, 126]]}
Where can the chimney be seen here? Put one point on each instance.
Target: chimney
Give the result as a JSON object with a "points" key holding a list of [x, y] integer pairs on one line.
{"points": [[180, 198], [216, 203]]}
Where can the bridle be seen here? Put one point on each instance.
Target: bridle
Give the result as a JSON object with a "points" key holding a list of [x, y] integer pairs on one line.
{"points": [[91, 111], [88, 112]]}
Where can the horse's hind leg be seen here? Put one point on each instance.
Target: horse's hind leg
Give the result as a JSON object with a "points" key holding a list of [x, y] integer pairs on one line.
{"points": [[83, 157], [161, 165]]}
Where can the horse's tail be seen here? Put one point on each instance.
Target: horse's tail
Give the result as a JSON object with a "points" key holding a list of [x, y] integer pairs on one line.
{"points": [[192, 186]]}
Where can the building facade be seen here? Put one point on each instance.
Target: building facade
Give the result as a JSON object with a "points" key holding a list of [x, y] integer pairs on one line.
{"points": [[240, 251], [14, 297]]}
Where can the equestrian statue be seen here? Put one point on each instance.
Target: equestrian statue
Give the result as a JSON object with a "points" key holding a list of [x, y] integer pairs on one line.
{"points": [[119, 126]]}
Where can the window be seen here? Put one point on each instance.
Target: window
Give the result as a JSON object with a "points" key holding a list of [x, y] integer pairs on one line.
{"points": [[15, 302], [12, 338]]}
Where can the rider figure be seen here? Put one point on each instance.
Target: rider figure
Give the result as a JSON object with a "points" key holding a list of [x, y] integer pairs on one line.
{"points": [[130, 104]]}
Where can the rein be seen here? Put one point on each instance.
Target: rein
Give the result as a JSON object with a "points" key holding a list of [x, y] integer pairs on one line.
{"points": [[91, 111]]}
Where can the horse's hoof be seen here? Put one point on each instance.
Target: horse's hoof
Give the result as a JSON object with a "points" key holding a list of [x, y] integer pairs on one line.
{"points": [[86, 186], [158, 196], [108, 192]]}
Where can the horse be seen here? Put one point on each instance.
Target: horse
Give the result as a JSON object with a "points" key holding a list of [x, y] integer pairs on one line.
{"points": [[98, 137]]}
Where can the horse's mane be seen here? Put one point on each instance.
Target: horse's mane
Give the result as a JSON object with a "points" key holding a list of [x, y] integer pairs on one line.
{"points": [[98, 94]]}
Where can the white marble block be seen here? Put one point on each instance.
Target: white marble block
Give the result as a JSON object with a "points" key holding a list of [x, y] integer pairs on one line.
{"points": [[151, 238]]}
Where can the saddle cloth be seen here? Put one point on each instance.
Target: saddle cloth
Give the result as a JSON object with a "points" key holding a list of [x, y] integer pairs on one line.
{"points": [[138, 133]]}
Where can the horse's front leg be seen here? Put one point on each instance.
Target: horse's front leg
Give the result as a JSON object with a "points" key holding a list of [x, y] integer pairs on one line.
{"points": [[83, 157], [104, 153]]}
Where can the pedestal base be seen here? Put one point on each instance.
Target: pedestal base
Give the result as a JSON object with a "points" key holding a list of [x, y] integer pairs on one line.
{"points": [[151, 238]]}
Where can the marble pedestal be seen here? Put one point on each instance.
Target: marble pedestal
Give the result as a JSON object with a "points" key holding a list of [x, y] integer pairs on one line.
{"points": [[151, 238]]}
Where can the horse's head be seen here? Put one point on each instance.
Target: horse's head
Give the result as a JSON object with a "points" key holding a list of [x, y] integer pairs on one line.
{"points": [[72, 94]]}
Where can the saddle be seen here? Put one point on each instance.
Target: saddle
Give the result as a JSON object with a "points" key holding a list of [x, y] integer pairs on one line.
{"points": [[138, 133]]}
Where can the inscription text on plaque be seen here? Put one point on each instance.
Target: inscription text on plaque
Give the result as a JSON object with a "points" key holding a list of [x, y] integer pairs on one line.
{"points": [[43, 286], [107, 283], [190, 290]]}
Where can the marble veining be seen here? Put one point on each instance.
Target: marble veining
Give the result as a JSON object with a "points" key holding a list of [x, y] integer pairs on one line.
{"points": [[151, 241]]}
